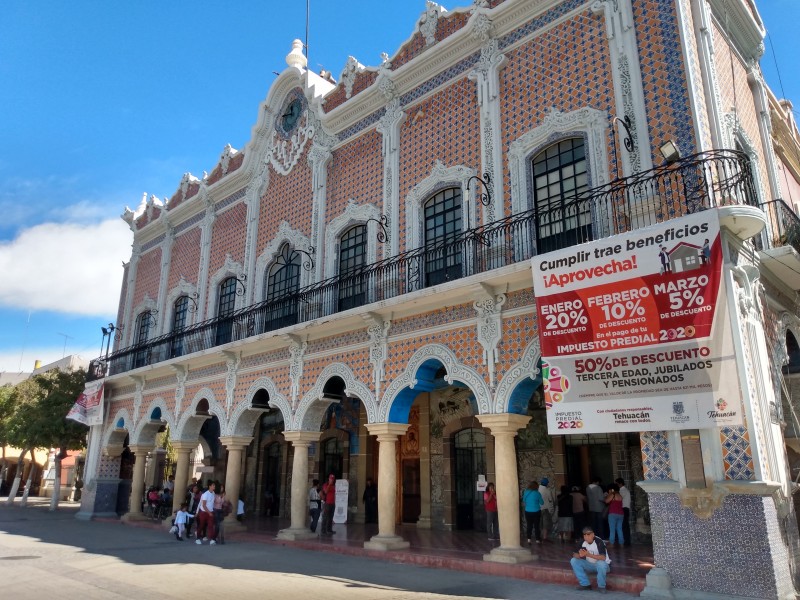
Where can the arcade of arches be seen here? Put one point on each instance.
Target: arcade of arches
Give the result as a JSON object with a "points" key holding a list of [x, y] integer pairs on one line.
{"points": [[427, 468]]}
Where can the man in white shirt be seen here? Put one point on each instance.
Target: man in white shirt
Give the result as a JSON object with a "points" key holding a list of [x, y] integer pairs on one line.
{"points": [[205, 515], [591, 557], [626, 507]]}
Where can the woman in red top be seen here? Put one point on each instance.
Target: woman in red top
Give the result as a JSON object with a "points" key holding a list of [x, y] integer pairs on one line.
{"points": [[615, 514], [490, 504]]}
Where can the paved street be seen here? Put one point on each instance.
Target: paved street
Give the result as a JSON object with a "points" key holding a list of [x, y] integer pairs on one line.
{"points": [[52, 555]]}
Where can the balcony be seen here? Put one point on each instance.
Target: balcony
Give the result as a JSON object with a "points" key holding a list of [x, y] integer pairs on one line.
{"points": [[693, 184], [779, 249]]}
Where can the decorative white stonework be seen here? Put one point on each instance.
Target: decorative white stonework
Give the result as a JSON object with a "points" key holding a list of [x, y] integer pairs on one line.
{"points": [[186, 181], [481, 28], [439, 178], [181, 374], [353, 214], [528, 367], [147, 428], [735, 133], [127, 426], [384, 81], [486, 76], [283, 154], [628, 90], [232, 362], [348, 76], [297, 350], [490, 326], [147, 305], [588, 122], [378, 331], [429, 21], [312, 407], [244, 416], [188, 427], [284, 235], [255, 189], [455, 372], [137, 398], [389, 128], [228, 152]]}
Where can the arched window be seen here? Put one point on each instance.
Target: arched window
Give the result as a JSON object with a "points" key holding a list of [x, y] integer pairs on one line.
{"points": [[142, 332], [180, 312], [332, 460], [226, 304], [281, 285], [442, 225], [559, 173], [352, 256]]}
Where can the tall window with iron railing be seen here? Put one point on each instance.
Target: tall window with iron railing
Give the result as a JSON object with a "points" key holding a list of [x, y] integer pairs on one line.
{"points": [[141, 333], [226, 304], [281, 285], [443, 261], [559, 173], [352, 258], [180, 311]]}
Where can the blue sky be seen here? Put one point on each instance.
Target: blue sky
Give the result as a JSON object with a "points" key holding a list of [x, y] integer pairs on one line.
{"points": [[101, 102]]}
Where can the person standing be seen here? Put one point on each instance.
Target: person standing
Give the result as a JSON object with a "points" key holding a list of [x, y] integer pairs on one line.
{"points": [[490, 504], [594, 496], [205, 515], [314, 504], [370, 499], [565, 524], [192, 503], [532, 501], [329, 504], [578, 512], [181, 519], [591, 557], [614, 502], [548, 508], [626, 509]]}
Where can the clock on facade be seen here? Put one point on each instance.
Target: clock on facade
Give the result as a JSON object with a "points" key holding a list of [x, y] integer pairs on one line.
{"points": [[291, 115]]}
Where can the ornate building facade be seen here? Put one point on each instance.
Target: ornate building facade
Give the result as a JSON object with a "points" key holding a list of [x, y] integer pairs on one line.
{"points": [[352, 293]]}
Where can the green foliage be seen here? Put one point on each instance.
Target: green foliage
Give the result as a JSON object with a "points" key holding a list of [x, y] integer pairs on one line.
{"points": [[40, 405], [6, 409]]}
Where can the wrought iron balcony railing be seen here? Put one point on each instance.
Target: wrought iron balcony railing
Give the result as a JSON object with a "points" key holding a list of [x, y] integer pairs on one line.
{"points": [[690, 185], [784, 229]]}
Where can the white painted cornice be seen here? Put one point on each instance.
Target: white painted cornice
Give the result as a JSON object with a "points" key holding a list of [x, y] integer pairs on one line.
{"points": [[745, 28]]}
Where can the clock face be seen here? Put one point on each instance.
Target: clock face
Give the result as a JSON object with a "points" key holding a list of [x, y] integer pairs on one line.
{"points": [[291, 115]]}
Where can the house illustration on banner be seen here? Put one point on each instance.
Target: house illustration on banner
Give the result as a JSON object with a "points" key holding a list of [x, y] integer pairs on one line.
{"points": [[685, 257]]}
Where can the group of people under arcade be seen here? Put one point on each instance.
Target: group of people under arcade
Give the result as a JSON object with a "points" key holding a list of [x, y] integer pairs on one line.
{"points": [[606, 510], [572, 515], [322, 502], [206, 508]]}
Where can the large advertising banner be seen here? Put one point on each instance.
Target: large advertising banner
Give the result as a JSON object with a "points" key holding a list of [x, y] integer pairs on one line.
{"points": [[635, 331], [88, 408]]}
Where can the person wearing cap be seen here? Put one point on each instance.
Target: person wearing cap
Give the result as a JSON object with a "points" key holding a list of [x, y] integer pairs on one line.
{"points": [[548, 508], [328, 497], [591, 557]]}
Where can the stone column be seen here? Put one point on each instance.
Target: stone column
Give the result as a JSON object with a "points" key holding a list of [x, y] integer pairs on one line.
{"points": [[137, 485], [299, 527], [387, 434], [504, 427], [183, 450], [233, 476]]}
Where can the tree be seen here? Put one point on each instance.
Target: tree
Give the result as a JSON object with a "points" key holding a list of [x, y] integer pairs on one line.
{"points": [[5, 414], [41, 404]]}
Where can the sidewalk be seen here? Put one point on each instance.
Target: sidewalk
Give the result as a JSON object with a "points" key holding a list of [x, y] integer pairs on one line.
{"points": [[454, 550]]}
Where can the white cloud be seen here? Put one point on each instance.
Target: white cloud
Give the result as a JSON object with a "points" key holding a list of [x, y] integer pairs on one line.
{"points": [[67, 268]]}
